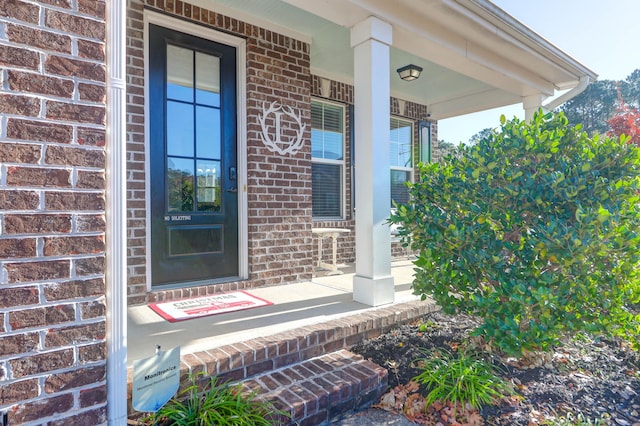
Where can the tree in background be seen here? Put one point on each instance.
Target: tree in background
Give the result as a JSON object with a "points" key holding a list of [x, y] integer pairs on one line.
{"points": [[482, 134], [598, 103], [626, 121]]}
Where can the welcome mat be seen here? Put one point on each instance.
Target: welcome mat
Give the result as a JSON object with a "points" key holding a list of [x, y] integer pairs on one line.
{"points": [[185, 309]]}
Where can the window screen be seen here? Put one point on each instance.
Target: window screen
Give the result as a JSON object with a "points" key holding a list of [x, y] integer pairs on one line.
{"points": [[327, 147]]}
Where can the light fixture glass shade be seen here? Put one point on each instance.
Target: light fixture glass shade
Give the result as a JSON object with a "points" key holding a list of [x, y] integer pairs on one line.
{"points": [[409, 72]]}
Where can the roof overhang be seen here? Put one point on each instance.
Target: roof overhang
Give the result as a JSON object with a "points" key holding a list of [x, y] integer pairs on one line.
{"points": [[475, 56]]}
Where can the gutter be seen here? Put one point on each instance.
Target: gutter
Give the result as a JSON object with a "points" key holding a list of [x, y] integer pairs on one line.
{"points": [[582, 85], [116, 213]]}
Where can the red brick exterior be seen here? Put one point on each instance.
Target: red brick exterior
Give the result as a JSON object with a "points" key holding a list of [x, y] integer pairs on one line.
{"points": [[282, 248], [52, 211]]}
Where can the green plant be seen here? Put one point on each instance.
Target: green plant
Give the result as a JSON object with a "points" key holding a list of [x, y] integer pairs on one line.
{"points": [[535, 229], [206, 402], [579, 420], [461, 378]]}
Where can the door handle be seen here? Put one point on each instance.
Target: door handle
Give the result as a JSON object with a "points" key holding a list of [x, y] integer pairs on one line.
{"points": [[233, 190]]}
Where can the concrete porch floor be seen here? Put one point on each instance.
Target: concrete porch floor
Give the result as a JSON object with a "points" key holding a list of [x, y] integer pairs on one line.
{"points": [[322, 299]]}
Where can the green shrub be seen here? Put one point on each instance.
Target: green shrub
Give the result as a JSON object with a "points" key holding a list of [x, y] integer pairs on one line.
{"points": [[535, 229], [460, 379], [207, 402]]}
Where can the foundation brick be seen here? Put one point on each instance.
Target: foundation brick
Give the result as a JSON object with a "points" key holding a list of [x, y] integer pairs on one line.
{"points": [[96, 8], [91, 223], [92, 353], [18, 296], [18, 344], [15, 224], [92, 92], [39, 317], [91, 137], [96, 416], [19, 105], [74, 379], [72, 24], [42, 39], [38, 176], [18, 200], [18, 391], [33, 411], [41, 363], [64, 4], [82, 334], [17, 248], [66, 67], [74, 289], [95, 309], [20, 11], [90, 266], [76, 113], [62, 246], [91, 50], [19, 153], [37, 271], [93, 396], [38, 84], [74, 201], [19, 58], [38, 131], [65, 155]]}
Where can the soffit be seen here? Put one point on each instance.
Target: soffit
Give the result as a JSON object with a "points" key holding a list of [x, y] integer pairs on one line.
{"points": [[474, 55]]}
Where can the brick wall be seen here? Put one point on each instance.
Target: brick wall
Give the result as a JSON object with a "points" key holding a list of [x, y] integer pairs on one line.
{"points": [[52, 211]]}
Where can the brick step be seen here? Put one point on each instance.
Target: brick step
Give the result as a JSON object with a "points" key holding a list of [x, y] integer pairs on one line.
{"points": [[316, 390]]}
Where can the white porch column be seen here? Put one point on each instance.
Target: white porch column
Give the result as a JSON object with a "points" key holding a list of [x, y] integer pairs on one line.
{"points": [[531, 104], [373, 283]]}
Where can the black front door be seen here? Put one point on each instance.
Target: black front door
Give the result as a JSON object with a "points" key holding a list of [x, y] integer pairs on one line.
{"points": [[194, 200]]}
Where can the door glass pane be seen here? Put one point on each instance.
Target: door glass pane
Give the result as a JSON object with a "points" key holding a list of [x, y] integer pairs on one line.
{"points": [[209, 183], [179, 184], [207, 79], [179, 129], [179, 73], [326, 190], [208, 134]]}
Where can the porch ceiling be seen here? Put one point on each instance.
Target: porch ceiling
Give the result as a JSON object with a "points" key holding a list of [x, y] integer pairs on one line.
{"points": [[475, 56]]}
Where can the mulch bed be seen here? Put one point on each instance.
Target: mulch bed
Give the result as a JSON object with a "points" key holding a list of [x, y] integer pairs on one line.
{"points": [[589, 380]]}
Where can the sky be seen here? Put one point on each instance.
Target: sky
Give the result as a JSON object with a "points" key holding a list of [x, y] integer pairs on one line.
{"points": [[601, 34]]}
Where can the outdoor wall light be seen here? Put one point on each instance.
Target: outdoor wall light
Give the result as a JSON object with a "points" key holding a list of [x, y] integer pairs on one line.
{"points": [[409, 72]]}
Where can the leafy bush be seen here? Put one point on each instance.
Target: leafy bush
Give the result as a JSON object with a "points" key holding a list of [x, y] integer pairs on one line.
{"points": [[211, 403], [460, 379], [535, 229]]}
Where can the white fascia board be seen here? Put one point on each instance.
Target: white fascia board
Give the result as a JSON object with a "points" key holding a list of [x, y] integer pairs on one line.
{"points": [[521, 35]]}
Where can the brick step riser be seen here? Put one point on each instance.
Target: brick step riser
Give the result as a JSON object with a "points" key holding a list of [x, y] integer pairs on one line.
{"points": [[316, 390]]}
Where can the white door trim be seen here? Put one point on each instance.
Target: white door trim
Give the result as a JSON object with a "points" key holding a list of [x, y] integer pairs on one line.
{"points": [[211, 34]]}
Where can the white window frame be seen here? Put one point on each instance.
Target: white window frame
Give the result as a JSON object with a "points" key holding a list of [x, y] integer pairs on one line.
{"points": [[410, 168], [341, 163]]}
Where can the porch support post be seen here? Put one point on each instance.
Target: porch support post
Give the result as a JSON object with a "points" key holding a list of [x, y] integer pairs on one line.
{"points": [[373, 284], [531, 104]]}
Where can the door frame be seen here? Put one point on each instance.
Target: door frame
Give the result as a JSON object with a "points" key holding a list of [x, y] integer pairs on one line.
{"points": [[211, 34]]}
